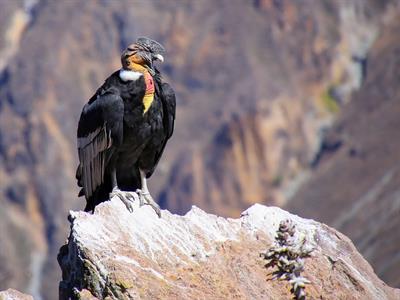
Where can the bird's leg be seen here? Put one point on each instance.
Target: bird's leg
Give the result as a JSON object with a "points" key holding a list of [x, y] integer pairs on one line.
{"points": [[114, 178], [144, 195], [126, 197]]}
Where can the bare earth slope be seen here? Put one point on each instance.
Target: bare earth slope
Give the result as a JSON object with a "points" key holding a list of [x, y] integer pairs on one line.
{"points": [[356, 188]]}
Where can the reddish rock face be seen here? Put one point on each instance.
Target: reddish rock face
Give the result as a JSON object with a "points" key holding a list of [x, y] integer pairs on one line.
{"points": [[122, 255]]}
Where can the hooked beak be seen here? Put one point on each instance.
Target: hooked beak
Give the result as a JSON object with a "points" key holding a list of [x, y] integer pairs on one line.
{"points": [[159, 57]]}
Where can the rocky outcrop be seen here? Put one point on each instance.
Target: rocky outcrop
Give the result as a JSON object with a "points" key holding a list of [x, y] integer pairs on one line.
{"points": [[11, 294], [114, 254]]}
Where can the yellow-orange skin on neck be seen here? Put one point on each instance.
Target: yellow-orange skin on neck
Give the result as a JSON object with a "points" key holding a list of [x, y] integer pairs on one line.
{"points": [[136, 63]]}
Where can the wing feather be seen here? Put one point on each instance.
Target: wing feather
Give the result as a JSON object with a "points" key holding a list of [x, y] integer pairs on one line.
{"points": [[169, 107], [100, 129]]}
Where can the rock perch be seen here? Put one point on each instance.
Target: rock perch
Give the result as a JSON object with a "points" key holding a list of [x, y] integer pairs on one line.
{"points": [[114, 254], [12, 294]]}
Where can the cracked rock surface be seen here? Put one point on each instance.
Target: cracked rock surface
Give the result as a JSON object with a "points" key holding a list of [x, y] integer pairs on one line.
{"points": [[114, 254]]}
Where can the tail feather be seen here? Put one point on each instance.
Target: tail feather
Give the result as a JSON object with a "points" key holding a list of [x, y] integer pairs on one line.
{"points": [[78, 175], [101, 194]]}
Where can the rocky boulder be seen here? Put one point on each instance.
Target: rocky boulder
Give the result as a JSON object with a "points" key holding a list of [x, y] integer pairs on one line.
{"points": [[11, 294], [114, 254]]}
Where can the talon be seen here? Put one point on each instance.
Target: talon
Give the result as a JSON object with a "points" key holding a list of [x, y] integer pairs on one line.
{"points": [[115, 191], [128, 198], [146, 198]]}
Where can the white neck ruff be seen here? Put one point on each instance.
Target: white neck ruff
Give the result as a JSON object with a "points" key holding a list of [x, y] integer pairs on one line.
{"points": [[126, 75]]}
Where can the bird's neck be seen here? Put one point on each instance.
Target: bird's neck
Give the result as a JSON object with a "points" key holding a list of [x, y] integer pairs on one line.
{"points": [[148, 78], [149, 94], [138, 68]]}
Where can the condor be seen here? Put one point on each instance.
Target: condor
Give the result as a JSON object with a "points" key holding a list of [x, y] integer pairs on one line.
{"points": [[123, 129]]}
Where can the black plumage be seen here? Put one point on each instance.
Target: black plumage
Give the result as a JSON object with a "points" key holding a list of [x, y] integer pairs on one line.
{"points": [[117, 136]]}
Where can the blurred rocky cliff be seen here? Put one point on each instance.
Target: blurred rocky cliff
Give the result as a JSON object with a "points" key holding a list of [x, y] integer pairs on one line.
{"points": [[259, 84], [355, 187]]}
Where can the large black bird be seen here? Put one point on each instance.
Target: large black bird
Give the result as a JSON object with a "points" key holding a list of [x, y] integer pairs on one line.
{"points": [[123, 129]]}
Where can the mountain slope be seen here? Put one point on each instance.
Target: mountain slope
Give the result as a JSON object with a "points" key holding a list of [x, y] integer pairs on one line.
{"points": [[237, 93], [356, 188], [313, 58]]}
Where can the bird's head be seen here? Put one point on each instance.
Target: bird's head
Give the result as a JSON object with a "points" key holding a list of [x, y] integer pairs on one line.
{"points": [[144, 52]]}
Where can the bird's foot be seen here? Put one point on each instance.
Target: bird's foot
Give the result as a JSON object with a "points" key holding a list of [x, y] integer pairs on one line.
{"points": [[146, 199], [128, 198]]}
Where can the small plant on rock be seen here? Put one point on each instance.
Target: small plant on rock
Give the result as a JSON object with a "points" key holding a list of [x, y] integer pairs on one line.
{"points": [[287, 256]]}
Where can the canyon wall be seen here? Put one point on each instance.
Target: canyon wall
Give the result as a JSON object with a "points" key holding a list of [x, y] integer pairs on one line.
{"points": [[258, 86]]}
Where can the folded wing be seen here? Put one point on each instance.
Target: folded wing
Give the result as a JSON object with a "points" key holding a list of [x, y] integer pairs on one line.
{"points": [[169, 107], [100, 132]]}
